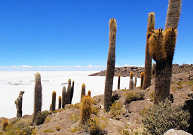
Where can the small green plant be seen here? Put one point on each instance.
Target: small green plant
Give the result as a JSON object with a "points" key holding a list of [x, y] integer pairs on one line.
{"points": [[48, 131], [95, 110], [96, 126], [133, 96], [163, 117], [41, 116], [179, 85], [116, 109]]}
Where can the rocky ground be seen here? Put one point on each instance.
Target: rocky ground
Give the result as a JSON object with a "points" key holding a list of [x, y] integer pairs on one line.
{"points": [[125, 71], [123, 118]]}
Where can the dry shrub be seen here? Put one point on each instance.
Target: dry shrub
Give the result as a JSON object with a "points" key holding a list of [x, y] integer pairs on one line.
{"points": [[163, 117], [41, 116], [134, 96], [96, 126]]}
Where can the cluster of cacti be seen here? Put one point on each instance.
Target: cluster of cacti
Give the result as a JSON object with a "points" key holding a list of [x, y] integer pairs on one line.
{"points": [[64, 96], [83, 91], [118, 84], [59, 102], [131, 81], [148, 59], [110, 65], [37, 96], [53, 101], [18, 103], [142, 78], [161, 48], [85, 109]]}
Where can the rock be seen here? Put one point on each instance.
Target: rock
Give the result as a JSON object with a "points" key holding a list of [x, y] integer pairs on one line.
{"points": [[176, 132], [191, 75]]}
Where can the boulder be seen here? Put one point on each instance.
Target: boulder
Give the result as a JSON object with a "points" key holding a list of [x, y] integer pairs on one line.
{"points": [[176, 132]]}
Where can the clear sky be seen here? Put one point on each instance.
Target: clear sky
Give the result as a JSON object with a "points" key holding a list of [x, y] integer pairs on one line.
{"points": [[76, 32]]}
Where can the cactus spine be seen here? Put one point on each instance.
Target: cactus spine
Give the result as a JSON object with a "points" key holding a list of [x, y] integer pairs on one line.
{"points": [[71, 92], [64, 96], [167, 43], [142, 78], [18, 103], [131, 81], [89, 93], [68, 91], [59, 102], [110, 65], [83, 91], [37, 96], [53, 101], [119, 79], [85, 109], [148, 59]]}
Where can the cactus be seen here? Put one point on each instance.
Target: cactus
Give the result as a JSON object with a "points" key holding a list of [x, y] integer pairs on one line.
{"points": [[142, 78], [85, 109], [18, 103], [83, 91], [50, 107], [131, 81], [59, 102], [148, 59], [68, 92], [135, 84], [89, 93], [163, 58], [53, 101], [110, 65], [119, 79], [64, 96], [71, 92], [5, 124], [153, 70], [37, 96]]}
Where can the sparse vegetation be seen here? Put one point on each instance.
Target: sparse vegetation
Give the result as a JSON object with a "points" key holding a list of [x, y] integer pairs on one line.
{"points": [[117, 109], [48, 131], [5, 124], [133, 96], [164, 116], [74, 118], [41, 116], [96, 126]]}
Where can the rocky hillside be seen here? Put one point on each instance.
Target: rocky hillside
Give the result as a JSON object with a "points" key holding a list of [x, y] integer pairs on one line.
{"points": [[125, 71], [124, 118]]}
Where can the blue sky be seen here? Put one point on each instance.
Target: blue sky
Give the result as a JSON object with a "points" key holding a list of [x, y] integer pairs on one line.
{"points": [[75, 32]]}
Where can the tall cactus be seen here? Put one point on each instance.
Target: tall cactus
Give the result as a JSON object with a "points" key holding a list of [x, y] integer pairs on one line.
{"points": [[59, 102], [118, 84], [37, 96], [53, 101], [18, 103], [64, 97], [142, 79], [85, 109], [131, 81], [135, 84], [148, 59], [89, 93], [68, 91], [83, 91], [71, 92], [162, 50], [110, 64]]}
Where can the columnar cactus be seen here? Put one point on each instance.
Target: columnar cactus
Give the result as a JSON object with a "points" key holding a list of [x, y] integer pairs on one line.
{"points": [[68, 91], [64, 97], [59, 102], [142, 78], [89, 93], [148, 59], [37, 96], [110, 65], [71, 92], [153, 70], [18, 103], [85, 109], [83, 91], [53, 101], [119, 79], [131, 81], [135, 84]]}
